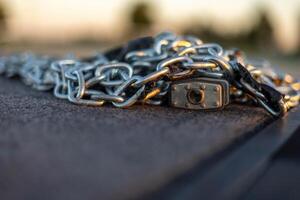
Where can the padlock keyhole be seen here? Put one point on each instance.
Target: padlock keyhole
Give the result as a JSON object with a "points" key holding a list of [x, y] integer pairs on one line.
{"points": [[195, 96]]}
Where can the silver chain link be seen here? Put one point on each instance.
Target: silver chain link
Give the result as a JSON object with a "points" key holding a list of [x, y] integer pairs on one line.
{"points": [[146, 75]]}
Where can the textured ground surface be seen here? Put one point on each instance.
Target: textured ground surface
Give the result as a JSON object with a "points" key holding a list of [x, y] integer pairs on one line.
{"points": [[51, 149], [282, 178]]}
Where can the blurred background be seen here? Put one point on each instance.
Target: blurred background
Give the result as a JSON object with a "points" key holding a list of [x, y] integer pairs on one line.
{"points": [[264, 28]]}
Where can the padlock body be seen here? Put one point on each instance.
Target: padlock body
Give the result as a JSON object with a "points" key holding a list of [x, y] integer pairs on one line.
{"points": [[200, 94]]}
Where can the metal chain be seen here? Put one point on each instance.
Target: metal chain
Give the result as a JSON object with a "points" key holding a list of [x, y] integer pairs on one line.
{"points": [[145, 76]]}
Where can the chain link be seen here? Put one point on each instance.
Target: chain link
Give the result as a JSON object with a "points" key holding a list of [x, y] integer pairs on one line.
{"points": [[145, 75]]}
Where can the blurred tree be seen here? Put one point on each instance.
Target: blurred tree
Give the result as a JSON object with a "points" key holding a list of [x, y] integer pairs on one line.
{"points": [[140, 17], [299, 32], [261, 35], [3, 18]]}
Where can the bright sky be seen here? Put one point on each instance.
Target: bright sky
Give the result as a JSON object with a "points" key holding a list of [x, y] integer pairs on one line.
{"points": [[62, 19]]}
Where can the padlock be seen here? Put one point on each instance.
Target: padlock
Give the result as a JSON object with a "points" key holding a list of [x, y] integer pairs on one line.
{"points": [[200, 94]]}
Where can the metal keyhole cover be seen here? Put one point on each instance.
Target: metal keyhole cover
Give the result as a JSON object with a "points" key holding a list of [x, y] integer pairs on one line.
{"points": [[195, 96]]}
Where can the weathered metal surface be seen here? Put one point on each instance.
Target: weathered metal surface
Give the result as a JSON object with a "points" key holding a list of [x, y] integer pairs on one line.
{"points": [[200, 94]]}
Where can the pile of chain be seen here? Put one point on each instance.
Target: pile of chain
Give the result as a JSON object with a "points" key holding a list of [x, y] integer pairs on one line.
{"points": [[145, 75]]}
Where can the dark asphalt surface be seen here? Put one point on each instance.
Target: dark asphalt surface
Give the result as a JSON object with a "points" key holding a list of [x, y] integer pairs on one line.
{"points": [[51, 149], [282, 178]]}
